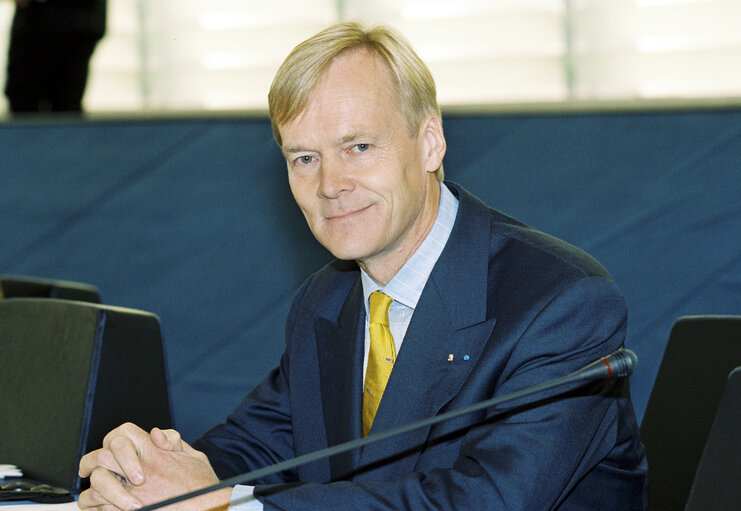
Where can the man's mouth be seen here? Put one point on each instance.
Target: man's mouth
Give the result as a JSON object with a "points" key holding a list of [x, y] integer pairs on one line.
{"points": [[345, 214]]}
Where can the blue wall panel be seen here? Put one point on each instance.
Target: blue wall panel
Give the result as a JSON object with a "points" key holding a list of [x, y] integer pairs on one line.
{"points": [[192, 219]]}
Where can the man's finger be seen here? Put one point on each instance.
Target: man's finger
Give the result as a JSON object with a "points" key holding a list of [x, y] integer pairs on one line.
{"points": [[167, 439], [126, 454], [107, 489], [128, 430], [99, 458], [91, 499]]}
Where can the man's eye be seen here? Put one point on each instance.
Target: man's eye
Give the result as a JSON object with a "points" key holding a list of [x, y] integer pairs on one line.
{"points": [[304, 160], [362, 147]]}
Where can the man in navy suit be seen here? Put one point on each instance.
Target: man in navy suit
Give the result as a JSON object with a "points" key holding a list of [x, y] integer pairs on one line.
{"points": [[482, 306]]}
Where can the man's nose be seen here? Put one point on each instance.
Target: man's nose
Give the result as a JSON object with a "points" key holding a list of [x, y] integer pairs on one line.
{"points": [[334, 178]]}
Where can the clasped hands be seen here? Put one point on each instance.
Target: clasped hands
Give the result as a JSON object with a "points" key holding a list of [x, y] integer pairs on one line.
{"points": [[135, 469]]}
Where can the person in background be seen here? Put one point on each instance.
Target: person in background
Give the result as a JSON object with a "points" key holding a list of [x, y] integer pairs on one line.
{"points": [[435, 302], [51, 43]]}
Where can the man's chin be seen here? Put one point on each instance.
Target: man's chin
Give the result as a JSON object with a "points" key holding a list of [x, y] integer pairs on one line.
{"points": [[348, 252]]}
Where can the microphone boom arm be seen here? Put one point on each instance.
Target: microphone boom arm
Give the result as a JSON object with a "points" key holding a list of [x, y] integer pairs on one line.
{"points": [[618, 364]]}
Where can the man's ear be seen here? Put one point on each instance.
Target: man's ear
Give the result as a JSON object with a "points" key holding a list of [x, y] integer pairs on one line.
{"points": [[433, 143]]}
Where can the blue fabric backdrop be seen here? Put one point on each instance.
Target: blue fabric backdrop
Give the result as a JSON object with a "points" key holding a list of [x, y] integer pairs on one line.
{"points": [[192, 219]]}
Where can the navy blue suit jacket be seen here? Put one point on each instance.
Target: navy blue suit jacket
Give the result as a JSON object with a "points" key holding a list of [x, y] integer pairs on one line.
{"points": [[514, 307]]}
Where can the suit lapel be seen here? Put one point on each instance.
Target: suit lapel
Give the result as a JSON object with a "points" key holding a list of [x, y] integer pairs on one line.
{"points": [[340, 352], [447, 333]]}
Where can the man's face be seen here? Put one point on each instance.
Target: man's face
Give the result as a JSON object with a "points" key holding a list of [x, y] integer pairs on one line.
{"points": [[365, 184]]}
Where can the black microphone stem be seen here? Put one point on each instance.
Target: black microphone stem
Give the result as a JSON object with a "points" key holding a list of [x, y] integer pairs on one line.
{"points": [[624, 361]]}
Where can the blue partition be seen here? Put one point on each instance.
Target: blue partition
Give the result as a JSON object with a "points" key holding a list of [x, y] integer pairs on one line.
{"points": [[192, 219]]}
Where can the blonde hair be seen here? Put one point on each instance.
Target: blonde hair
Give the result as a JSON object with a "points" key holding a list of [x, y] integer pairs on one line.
{"points": [[305, 65]]}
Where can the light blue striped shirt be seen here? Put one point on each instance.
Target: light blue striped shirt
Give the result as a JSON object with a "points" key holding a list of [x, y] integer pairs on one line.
{"points": [[405, 288]]}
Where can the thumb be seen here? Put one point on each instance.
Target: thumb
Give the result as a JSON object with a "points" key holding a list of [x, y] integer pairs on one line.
{"points": [[167, 439]]}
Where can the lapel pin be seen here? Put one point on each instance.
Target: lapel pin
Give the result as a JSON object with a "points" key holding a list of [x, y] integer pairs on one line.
{"points": [[450, 357], [466, 357]]}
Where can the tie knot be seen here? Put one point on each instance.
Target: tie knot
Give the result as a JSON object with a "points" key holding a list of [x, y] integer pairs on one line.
{"points": [[379, 308]]}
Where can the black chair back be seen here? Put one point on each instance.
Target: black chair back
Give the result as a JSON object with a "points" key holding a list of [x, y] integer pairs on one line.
{"points": [[717, 484], [21, 286], [71, 372], [701, 351]]}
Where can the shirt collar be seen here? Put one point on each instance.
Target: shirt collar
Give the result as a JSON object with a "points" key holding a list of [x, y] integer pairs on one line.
{"points": [[406, 286]]}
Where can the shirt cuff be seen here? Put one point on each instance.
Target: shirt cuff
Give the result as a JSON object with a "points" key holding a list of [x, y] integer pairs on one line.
{"points": [[244, 500]]}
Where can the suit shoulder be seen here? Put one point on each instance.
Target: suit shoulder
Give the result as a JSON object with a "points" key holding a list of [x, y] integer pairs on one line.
{"points": [[521, 246], [537, 249]]}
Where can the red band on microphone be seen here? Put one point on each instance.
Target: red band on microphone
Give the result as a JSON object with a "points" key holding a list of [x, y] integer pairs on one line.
{"points": [[609, 369]]}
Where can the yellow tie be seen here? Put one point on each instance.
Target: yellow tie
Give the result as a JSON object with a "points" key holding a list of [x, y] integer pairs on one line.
{"points": [[381, 357]]}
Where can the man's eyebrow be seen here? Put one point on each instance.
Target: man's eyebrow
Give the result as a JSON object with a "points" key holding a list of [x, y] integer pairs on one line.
{"points": [[294, 149], [350, 137]]}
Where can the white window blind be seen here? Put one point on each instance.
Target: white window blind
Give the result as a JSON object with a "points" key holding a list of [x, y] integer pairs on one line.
{"points": [[182, 55], [481, 51], [195, 55], [656, 48], [6, 15]]}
